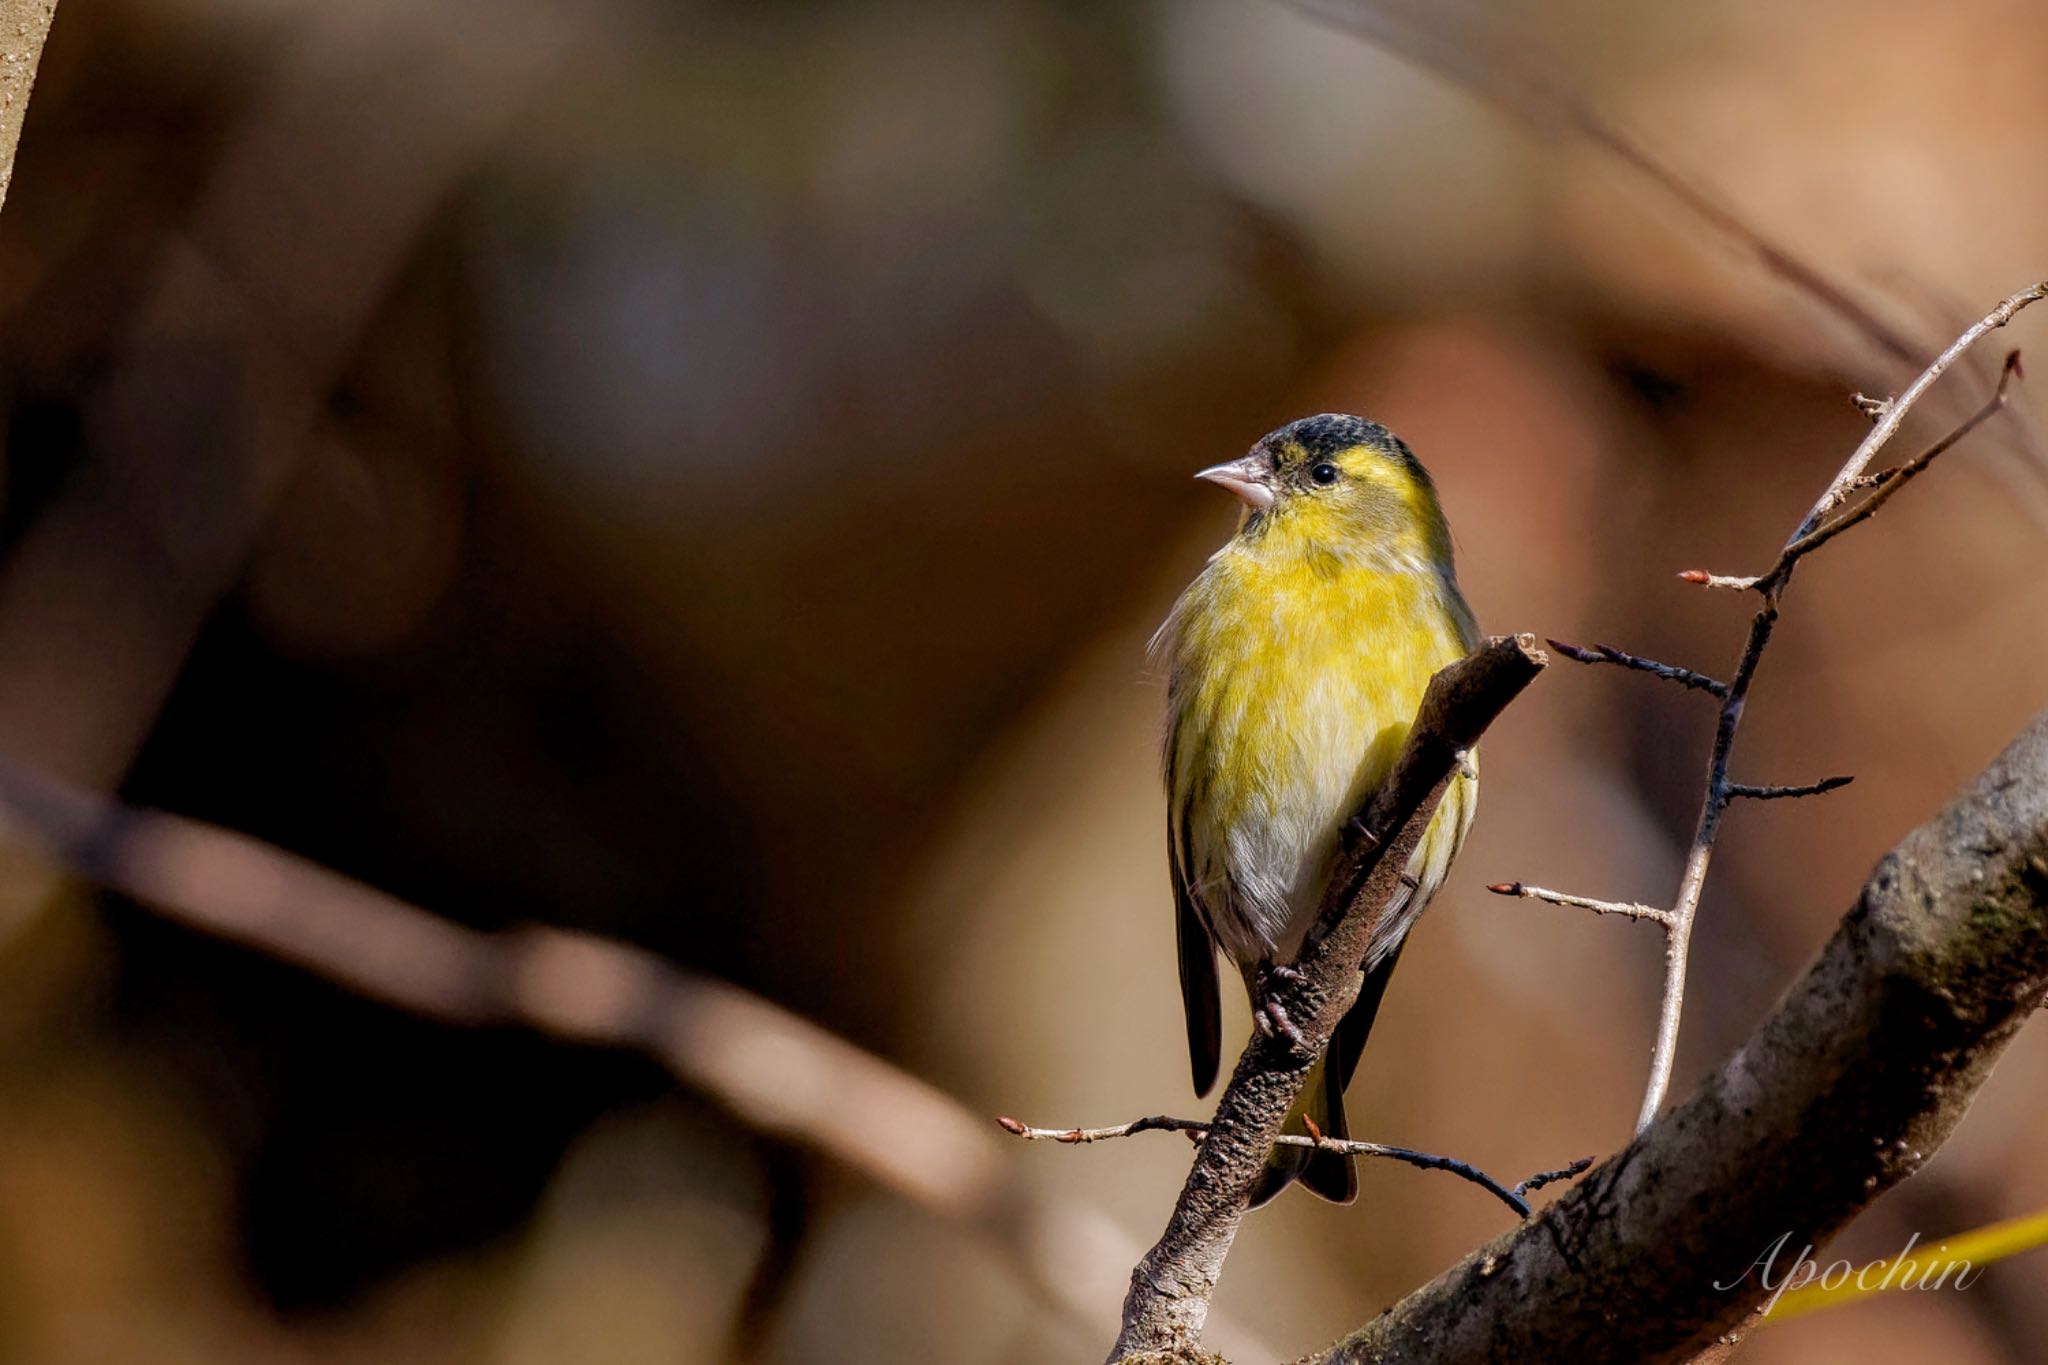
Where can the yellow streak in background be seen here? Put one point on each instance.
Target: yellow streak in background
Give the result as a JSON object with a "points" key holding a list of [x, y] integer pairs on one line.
{"points": [[1980, 1248]]}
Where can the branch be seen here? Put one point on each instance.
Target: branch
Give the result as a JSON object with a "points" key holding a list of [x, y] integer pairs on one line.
{"points": [[1887, 483], [1626, 909], [780, 1073], [1171, 1287], [26, 25], [1820, 788], [1197, 1129], [1714, 804], [1895, 413], [1850, 1085], [1503, 71], [1608, 654], [1814, 531]]}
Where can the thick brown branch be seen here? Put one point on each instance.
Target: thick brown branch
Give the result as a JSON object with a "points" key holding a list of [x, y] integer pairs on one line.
{"points": [[1850, 1085], [24, 25], [1171, 1287]]}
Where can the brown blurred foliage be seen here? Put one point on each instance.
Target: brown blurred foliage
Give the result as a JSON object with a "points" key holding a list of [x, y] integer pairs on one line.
{"points": [[706, 474]]}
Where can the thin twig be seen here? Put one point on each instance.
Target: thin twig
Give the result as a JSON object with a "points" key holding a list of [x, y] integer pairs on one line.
{"points": [[1608, 654], [1819, 526], [1157, 1123], [1198, 1129], [1899, 476], [1568, 1172], [1820, 788], [1888, 425], [1772, 584], [1626, 909], [1887, 483], [1732, 582], [1873, 480]]}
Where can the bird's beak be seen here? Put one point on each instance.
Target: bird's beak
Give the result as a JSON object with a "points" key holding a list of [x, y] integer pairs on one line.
{"points": [[1248, 478]]}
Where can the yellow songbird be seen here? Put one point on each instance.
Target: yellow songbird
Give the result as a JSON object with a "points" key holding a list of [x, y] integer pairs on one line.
{"points": [[1296, 662]]}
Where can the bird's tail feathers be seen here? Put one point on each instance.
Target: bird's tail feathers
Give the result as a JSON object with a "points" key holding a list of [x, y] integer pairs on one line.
{"points": [[1331, 1175]]}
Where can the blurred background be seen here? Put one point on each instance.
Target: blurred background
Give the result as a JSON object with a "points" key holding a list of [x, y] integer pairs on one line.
{"points": [[705, 474]]}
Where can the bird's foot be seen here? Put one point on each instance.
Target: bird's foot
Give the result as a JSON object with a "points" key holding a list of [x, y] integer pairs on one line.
{"points": [[1274, 1017], [1269, 1014], [1360, 832]]}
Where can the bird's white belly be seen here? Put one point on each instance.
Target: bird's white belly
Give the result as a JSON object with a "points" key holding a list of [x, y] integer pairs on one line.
{"points": [[1272, 859]]}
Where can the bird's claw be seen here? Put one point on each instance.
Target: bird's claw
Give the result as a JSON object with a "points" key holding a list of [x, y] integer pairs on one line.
{"points": [[1285, 1028], [1270, 1015]]}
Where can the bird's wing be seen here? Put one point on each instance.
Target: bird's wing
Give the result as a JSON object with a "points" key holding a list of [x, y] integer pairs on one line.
{"points": [[1200, 995]]}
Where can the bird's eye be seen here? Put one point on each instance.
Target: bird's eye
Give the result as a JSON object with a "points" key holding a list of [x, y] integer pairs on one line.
{"points": [[1324, 473]]}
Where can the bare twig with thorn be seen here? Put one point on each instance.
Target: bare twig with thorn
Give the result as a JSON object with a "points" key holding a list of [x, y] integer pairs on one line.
{"points": [[1820, 788], [1821, 524], [1887, 483]]}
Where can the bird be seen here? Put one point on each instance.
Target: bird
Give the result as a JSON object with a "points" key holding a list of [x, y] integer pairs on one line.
{"points": [[1295, 663]]}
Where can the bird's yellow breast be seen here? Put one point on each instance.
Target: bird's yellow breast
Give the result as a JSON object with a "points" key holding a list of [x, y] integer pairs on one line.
{"points": [[1294, 679]]}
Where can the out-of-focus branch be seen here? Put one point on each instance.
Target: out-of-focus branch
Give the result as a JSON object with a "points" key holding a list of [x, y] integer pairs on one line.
{"points": [[219, 379], [1197, 1129], [1168, 1303], [1852, 1083], [1814, 530], [779, 1073], [1458, 43], [24, 26]]}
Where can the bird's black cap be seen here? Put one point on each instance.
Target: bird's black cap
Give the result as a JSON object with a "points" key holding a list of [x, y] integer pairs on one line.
{"points": [[1330, 433]]}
